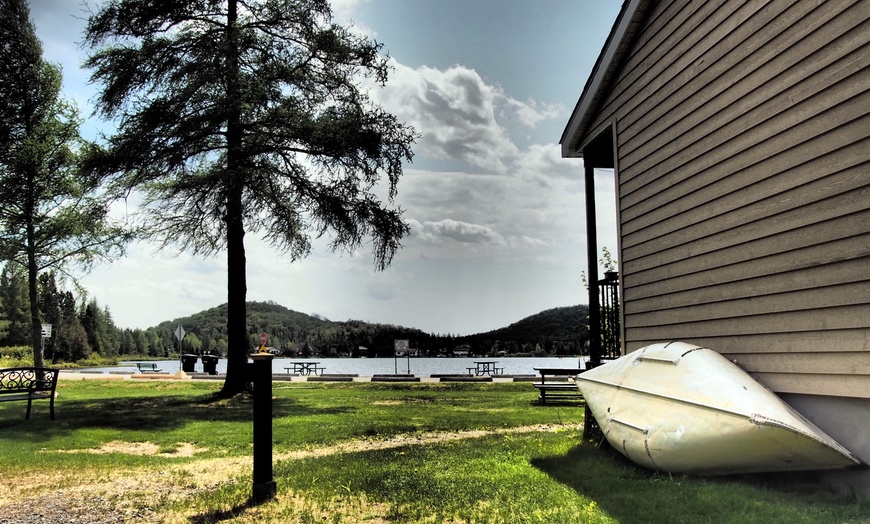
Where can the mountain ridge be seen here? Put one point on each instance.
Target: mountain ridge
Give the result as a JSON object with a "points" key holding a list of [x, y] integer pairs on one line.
{"points": [[552, 331]]}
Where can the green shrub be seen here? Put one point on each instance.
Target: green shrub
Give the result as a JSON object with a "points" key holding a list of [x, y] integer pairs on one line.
{"points": [[94, 360], [15, 356]]}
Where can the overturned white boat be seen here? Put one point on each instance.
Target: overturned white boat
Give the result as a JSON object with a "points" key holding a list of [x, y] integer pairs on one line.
{"points": [[681, 408]]}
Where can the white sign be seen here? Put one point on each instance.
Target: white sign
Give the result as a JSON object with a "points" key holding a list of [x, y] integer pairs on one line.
{"points": [[179, 332], [46, 331]]}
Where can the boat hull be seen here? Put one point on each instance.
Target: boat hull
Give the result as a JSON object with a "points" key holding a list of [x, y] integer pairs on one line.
{"points": [[681, 408]]}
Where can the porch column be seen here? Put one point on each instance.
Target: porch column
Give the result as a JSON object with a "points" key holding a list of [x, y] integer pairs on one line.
{"points": [[592, 269]]}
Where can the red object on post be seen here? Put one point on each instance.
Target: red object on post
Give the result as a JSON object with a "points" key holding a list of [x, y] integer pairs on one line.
{"points": [[263, 338]]}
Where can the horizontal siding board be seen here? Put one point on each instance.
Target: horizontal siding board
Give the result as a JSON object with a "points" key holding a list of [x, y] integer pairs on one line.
{"points": [[749, 85], [843, 272], [702, 35], [718, 77], [841, 363], [781, 176], [832, 342], [755, 166], [686, 119], [832, 240], [853, 293], [717, 234], [853, 386], [846, 317], [838, 110], [843, 250]]}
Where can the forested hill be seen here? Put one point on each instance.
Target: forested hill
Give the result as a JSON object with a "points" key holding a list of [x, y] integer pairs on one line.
{"points": [[557, 330], [561, 323], [286, 330], [560, 330]]}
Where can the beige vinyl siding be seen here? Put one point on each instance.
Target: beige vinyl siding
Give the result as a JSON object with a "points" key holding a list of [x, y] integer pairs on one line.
{"points": [[743, 161]]}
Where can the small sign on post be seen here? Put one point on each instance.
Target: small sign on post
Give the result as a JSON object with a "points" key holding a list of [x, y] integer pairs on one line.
{"points": [[263, 339], [401, 349], [179, 334], [46, 331]]}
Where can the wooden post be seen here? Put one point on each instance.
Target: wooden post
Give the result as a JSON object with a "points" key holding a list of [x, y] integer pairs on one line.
{"points": [[264, 484]]}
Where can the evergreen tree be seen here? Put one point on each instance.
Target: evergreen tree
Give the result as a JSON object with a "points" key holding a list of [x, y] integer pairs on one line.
{"points": [[13, 293], [238, 116], [71, 340], [140, 342], [49, 216], [128, 344], [102, 334], [49, 307]]}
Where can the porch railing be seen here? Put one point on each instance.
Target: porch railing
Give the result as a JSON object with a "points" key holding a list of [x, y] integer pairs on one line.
{"points": [[604, 330], [611, 342]]}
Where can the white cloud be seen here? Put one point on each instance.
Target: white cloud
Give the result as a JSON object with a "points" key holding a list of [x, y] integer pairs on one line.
{"points": [[458, 114], [531, 113], [454, 110], [457, 231]]}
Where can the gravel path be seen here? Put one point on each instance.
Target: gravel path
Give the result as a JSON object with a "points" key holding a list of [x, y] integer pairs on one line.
{"points": [[58, 509]]}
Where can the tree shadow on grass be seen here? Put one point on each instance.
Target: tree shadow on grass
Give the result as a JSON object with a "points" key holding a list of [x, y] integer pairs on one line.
{"points": [[228, 514], [141, 412], [629, 493]]}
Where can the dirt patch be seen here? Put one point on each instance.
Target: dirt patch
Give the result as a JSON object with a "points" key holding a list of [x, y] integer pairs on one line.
{"points": [[388, 403], [133, 496], [182, 449]]}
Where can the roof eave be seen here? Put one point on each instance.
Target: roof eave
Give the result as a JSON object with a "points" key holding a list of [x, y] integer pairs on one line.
{"points": [[580, 117]]}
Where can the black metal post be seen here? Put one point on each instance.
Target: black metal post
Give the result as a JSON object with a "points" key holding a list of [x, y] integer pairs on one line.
{"points": [[264, 484], [592, 267]]}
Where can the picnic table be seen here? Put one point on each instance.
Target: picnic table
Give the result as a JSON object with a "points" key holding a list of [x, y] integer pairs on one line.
{"points": [[485, 367], [561, 388], [305, 367]]}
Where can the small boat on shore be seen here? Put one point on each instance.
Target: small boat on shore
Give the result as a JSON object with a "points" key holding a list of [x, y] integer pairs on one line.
{"points": [[680, 408]]}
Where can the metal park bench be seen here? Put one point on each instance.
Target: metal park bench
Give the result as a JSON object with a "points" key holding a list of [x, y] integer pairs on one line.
{"points": [[27, 383], [148, 367]]}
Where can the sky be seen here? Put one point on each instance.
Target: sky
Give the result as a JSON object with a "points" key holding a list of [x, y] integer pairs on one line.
{"points": [[496, 215]]}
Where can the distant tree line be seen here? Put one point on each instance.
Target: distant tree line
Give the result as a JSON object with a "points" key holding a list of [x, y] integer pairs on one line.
{"points": [[82, 329], [559, 331]]}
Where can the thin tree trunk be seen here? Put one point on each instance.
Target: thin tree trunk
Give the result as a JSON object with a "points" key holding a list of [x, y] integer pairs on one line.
{"points": [[36, 322], [237, 330], [32, 268]]}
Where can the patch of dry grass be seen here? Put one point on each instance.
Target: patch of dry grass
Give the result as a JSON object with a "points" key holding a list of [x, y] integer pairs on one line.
{"points": [[144, 495]]}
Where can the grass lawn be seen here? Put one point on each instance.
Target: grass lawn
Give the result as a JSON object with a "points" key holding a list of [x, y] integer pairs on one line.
{"points": [[354, 452]]}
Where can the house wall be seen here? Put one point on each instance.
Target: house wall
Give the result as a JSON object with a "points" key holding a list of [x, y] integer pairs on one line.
{"points": [[844, 419], [743, 161]]}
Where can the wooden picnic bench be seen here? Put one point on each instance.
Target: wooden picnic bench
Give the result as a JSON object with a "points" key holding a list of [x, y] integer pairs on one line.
{"points": [[562, 389], [149, 367], [28, 383]]}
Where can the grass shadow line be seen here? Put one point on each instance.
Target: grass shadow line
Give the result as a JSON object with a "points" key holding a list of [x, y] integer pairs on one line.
{"points": [[228, 514]]}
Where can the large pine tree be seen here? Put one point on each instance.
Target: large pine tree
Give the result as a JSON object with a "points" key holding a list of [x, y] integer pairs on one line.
{"points": [[248, 116], [49, 215]]}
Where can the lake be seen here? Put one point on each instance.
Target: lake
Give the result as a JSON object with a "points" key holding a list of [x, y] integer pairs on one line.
{"points": [[419, 366]]}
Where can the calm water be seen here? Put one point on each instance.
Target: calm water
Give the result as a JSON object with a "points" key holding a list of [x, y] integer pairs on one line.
{"points": [[422, 367]]}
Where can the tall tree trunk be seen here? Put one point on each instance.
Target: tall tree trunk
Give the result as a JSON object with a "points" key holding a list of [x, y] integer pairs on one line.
{"points": [[237, 289], [237, 330], [32, 288], [32, 268]]}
